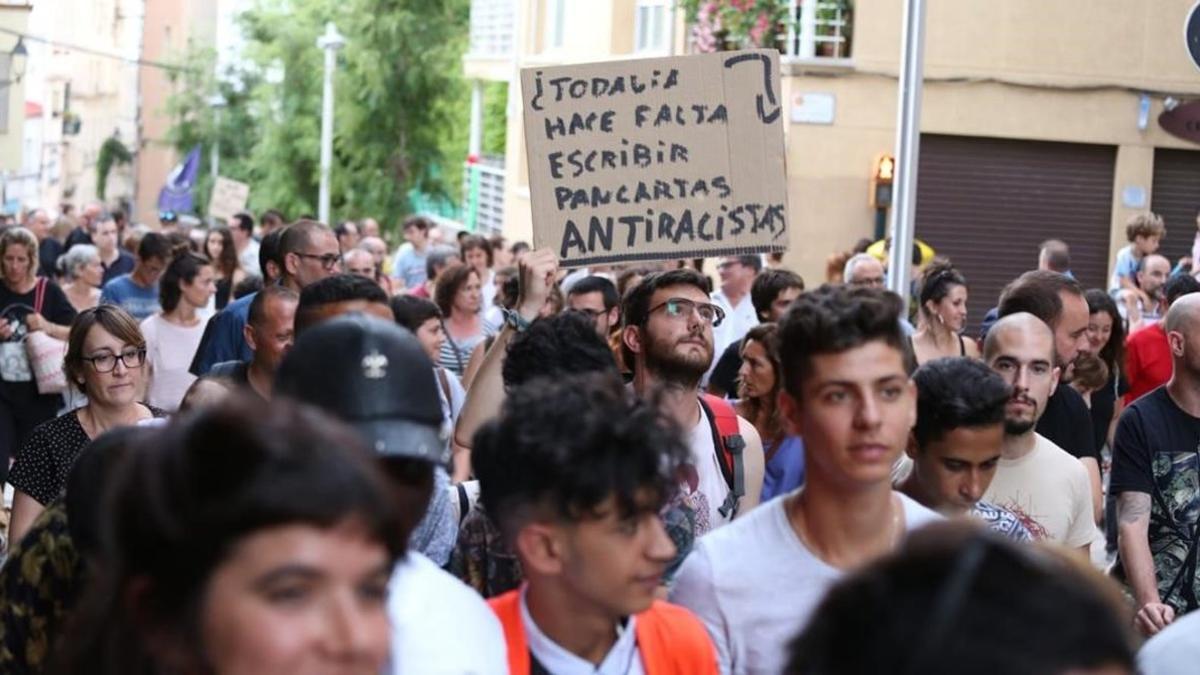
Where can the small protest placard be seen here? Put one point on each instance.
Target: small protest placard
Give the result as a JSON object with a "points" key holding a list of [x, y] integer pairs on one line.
{"points": [[657, 159], [228, 198]]}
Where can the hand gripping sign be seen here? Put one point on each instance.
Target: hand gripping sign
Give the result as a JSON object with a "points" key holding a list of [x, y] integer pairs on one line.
{"points": [[657, 159]]}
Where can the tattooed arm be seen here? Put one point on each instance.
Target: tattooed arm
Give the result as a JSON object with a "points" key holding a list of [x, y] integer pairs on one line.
{"points": [[1133, 526]]}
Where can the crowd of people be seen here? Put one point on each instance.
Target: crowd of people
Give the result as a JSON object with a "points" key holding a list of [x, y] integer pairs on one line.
{"points": [[282, 447]]}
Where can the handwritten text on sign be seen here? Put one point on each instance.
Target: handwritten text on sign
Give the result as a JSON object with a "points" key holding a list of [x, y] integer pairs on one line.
{"points": [[657, 158]]}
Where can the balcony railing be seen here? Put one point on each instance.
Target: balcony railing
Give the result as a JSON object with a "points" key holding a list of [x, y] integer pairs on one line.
{"points": [[819, 29], [493, 24], [483, 196]]}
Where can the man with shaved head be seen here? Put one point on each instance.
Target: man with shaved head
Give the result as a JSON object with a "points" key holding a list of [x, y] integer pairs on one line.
{"points": [[1045, 487], [1156, 478], [1147, 308]]}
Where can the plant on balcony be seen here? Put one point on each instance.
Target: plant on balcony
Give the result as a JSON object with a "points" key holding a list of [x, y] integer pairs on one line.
{"points": [[111, 153], [720, 25]]}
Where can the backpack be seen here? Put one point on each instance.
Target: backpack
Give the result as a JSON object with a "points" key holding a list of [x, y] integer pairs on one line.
{"points": [[727, 439]]}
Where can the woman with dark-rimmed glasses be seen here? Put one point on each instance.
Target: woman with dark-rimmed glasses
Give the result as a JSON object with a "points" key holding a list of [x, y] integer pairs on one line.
{"points": [[106, 355]]}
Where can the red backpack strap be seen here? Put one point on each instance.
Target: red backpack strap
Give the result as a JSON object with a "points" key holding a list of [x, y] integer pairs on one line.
{"points": [[727, 437], [39, 295]]}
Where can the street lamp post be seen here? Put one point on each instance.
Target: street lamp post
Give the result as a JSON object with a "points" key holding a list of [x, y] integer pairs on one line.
{"points": [[908, 147], [331, 42], [216, 102]]}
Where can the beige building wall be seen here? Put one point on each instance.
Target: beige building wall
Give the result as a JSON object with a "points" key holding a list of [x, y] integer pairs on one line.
{"points": [[1070, 71], [168, 27], [12, 134]]}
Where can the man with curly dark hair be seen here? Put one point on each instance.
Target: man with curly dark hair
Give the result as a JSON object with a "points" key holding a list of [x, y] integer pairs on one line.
{"points": [[575, 472]]}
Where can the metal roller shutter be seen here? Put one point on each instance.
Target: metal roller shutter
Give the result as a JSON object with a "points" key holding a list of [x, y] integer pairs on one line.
{"points": [[1176, 198], [987, 203]]}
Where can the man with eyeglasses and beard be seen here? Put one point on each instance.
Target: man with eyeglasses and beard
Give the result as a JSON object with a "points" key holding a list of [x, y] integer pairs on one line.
{"points": [[667, 339], [307, 252]]}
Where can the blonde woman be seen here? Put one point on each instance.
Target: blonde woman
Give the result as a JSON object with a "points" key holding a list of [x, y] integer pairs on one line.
{"points": [[21, 406]]}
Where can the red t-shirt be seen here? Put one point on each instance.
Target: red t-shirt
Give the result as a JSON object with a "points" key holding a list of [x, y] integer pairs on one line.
{"points": [[1147, 361]]}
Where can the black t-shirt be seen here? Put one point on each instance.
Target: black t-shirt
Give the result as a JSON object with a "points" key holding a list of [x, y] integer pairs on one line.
{"points": [[122, 265], [724, 375], [1104, 401], [43, 464], [48, 251], [1067, 423], [77, 236], [56, 308], [1156, 450]]}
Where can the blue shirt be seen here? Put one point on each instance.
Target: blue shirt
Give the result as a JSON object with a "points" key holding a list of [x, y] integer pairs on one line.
{"points": [[410, 266], [140, 301], [785, 470], [223, 338]]}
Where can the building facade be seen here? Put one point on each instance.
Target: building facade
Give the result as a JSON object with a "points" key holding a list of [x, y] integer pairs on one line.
{"points": [[1039, 120]]}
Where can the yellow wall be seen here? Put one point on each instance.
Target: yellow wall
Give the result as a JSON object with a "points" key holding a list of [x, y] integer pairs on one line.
{"points": [[1067, 70]]}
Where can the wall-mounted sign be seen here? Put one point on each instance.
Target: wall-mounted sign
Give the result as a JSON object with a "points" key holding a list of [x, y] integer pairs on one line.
{"points": [[812, 107]]}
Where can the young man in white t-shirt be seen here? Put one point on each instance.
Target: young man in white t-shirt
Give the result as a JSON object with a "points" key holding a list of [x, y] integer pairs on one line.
{"points": [[1041, 483], [756, 582]]}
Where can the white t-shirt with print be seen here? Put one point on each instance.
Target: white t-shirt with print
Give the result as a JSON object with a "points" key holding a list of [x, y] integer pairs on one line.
{"points": [[1049, 491], [708, 467]]}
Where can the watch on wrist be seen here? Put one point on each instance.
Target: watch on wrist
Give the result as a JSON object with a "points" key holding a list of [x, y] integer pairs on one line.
{"points": [[515, 320]]}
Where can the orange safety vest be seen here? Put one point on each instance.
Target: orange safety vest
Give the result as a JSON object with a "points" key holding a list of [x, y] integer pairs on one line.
{"points": [[669, 639]]}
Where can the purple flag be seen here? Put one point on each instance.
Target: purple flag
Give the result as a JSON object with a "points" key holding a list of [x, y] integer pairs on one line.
{"points": [[176, 195]]}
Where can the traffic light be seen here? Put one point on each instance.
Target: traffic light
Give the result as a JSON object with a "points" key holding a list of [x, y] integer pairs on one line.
{"points": [[880, 196]]}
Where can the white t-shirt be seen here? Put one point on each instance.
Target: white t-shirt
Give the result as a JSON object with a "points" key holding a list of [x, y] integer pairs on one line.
{"points": [[1049, 491], [1175, 651], [169, 351], [440, 626], [623, 658], [738, 321], [708, 468], [754, 585], [248, 259]]}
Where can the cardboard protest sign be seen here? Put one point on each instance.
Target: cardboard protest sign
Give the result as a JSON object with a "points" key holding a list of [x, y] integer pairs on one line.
{"points": [[656, 159], [228, 198]]}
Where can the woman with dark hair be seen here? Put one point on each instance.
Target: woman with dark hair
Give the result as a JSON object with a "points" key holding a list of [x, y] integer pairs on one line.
{"points": [[942, 316], [173, 334], [759, 382], [1106, 337], [106, 355], [477, 254], [424, 320], [221, 252], [250, 538], [458, 296], [1106, 340]]}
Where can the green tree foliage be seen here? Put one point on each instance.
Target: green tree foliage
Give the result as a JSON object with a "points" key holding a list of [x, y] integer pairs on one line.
{"points": [[195, 121], [401, 105]]}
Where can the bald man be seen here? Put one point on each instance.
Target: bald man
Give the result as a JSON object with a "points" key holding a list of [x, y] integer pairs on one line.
{"points": [[1042, 484], [1156, 479], [1148, 307]]}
